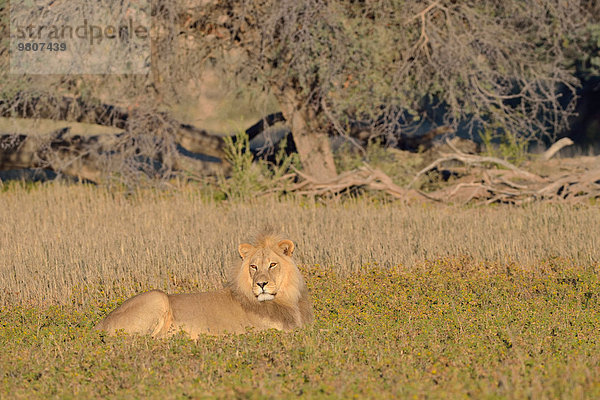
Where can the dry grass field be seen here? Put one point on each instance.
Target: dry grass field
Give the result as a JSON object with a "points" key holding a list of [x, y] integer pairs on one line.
{"points": [[410, 301]]}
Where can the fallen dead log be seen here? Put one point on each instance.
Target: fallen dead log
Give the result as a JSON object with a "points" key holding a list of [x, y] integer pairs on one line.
{"points": [[90, 157], [71, 156]]}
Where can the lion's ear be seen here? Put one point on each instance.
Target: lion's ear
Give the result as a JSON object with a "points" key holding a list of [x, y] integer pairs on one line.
{"points": [[245, 249], [287, 246]]}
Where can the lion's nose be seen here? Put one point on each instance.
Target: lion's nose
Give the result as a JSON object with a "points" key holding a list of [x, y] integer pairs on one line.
{"points": [[262, 284]]}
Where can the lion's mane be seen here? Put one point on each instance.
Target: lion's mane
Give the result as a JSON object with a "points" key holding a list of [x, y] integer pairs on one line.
{"points": [[292, 307]]}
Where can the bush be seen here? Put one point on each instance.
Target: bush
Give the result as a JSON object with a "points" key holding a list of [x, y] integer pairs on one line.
{"points": [[250, 177]]}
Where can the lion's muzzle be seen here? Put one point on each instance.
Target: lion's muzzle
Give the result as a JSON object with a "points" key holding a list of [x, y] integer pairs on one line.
{"points": [[265, 296], [261, 291]]}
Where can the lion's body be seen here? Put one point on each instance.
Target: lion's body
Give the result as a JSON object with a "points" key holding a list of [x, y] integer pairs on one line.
{"points": [[265, 291]]}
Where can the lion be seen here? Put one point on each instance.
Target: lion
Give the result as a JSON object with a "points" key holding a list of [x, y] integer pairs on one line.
{"points": [[265, 290]]}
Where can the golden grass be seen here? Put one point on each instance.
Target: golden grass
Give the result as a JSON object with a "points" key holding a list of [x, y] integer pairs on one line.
{"points": [[410, 302], [59, 241]]}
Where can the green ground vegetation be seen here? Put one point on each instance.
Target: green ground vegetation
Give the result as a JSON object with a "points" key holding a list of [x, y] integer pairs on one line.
{"points": [[452, 328]]}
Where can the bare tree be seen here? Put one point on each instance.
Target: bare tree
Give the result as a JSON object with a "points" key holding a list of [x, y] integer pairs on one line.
{"points": [[495, 64]]}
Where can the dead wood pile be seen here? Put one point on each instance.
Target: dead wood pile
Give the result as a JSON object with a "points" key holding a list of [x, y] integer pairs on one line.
{"points": [[477, 178]]}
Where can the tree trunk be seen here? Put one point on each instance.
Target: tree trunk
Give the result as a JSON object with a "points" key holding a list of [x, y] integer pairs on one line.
{"points": [[314, 147]]}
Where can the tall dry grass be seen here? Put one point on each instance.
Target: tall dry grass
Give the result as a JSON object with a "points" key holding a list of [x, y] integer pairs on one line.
{"points": [[59, 241]]}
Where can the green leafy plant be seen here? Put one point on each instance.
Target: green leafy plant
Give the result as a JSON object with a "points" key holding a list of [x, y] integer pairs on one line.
{"points": [[248, 176], [505, 145], [244, 178], [513, 148]]}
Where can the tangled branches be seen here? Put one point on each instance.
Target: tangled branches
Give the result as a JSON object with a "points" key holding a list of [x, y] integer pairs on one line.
{"points": [[484, 180]]}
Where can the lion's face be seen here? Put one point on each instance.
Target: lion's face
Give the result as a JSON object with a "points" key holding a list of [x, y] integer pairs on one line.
{"points": [[267, 268]]}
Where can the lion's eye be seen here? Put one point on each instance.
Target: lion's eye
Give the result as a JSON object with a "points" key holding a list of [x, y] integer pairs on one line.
{"points": [[254, 267], [273, 265]]}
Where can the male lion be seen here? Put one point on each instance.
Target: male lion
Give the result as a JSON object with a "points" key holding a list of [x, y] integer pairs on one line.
{"points": [[266, 291]]}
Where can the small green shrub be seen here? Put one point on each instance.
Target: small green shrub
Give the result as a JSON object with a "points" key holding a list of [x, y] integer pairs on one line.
{"points": [[506, 145], [249, 177]]}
